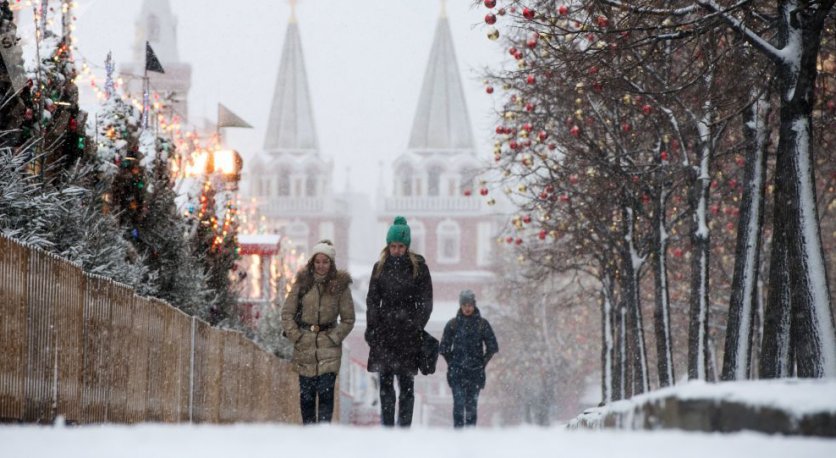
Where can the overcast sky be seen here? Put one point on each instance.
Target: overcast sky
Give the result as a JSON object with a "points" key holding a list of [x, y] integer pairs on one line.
{"points": [[365, 61]]}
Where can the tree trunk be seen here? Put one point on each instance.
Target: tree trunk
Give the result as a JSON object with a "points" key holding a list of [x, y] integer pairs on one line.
{"points": [[620, 353], [775, 347], [631, 265], [607, 338], [744, 297], [700, 239], [661, 312], [814, 338]]}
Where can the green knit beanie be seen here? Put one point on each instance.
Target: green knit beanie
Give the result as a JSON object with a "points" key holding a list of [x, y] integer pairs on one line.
{"points": [[399, 232]]}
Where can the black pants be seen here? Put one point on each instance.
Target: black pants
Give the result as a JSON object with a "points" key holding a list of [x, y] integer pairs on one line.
{"points": [[406, 398], [465, 398], [321, 386]]}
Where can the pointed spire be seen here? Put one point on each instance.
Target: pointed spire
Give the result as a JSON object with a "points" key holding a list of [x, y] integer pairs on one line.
{"points": [[290, 127], [292, 10], [441, 121]]}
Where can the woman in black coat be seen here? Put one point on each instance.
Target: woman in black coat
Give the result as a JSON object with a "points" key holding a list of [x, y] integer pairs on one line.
{"points": [[398, 306]]}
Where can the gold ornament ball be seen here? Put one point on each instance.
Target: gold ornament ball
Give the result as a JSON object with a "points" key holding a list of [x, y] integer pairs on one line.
{"points": [[493, 34]]}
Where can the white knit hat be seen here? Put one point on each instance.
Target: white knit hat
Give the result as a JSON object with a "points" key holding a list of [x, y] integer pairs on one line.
{"points": [[325, 247]]}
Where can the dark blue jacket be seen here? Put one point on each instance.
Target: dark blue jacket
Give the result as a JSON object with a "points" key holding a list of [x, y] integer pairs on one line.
{"points": [[467, 345]]}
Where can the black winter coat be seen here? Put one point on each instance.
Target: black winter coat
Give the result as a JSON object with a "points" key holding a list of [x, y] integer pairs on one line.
{"points": [[467, 345], [398, 306]]}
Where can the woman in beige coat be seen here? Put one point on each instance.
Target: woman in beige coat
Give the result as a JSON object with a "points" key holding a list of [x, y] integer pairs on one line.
{"points": [[319, 296]]}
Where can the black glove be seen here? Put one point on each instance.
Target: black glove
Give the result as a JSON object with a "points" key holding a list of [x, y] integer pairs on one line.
{"points": [[369, 335]]}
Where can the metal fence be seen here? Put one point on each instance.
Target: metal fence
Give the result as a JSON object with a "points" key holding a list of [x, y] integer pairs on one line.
{"points": [[90, 350]]}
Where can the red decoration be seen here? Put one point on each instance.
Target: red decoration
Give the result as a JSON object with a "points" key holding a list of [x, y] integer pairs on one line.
{"points": [[663, 155], [490, 3], [519, 241], [542, 234], [602, 21], [597, 86], [677, 252], [528, 13], [483, 191], [552, 146], [512, 51], [509, 240], [531, 79], [740, 161], [646, 109], [564, 197], [543, 135], [625, 127], [529, 106], [573, 179], [575, 131], [531, 43], [831, 105], [527, 126], [501, 12], [490, 19], [526, 219], [563, 10], [468, 192], [549, 188], [489, 89], [593, 70]]}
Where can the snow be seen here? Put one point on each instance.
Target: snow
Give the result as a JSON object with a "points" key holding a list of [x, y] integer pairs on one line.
{"points": [[811, 240], [161, 441], [798, 397]]}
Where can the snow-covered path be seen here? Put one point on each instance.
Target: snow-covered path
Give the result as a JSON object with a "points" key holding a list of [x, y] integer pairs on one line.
{"points": [[183, 441]]}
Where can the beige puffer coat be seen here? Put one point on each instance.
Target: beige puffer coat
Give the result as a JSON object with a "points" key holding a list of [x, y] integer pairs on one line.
{"points": [[316, 353]]}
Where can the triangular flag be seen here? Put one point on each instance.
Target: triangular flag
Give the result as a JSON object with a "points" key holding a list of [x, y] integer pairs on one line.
{"points": [[152, 64], [226, 118]]}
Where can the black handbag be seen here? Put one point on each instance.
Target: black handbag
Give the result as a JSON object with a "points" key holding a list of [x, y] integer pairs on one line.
{"points": [[429, 353]]}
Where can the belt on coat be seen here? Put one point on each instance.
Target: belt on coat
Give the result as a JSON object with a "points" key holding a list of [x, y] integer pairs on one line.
{"points": [[317, 327]]}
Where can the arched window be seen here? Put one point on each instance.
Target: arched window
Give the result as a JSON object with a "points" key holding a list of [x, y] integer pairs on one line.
{"points": [[467, 178], [403, 184], [434, 180], [448, 236], [284, 182], [311, 182]]}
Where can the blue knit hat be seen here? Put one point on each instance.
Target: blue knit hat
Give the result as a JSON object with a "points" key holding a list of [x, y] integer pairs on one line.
{"points": [[399, 232]]}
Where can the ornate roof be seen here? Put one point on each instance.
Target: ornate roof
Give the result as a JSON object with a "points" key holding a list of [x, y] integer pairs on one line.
{"points": [[290, 127], [441, 120]]}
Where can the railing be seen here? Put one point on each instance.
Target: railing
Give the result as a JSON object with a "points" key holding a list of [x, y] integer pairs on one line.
{"points": [[432, 204], [280, 206], [90, 350]]}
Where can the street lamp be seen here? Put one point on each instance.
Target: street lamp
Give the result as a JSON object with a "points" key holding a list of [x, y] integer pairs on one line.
{"points": [[225, 163], [229, 164]]}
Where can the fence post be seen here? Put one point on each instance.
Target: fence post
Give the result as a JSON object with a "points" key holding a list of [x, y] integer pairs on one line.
{"points": [[191, 372]]}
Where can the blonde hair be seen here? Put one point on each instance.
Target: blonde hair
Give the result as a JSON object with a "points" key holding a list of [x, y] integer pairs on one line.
{"points": [[413, 258]]}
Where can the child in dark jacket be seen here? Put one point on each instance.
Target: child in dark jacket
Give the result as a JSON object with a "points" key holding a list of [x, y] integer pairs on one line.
{"points": [[467, 345]]}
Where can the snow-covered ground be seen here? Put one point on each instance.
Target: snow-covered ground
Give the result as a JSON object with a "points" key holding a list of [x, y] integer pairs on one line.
{"points": [[182, 441]]}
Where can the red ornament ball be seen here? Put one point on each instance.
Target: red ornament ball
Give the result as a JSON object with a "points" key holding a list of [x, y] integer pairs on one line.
{"points": [[527, 219], [468, 192], [542, 234], [490, 3], [646, 109], [563, 10], [490, 19], [528, 13], [663, 155], [489, 89], [531, 79], [483, 191]]}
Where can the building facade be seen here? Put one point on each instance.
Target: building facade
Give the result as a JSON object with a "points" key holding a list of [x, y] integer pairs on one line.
{"points": [[158, 26], [289, 181]]}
